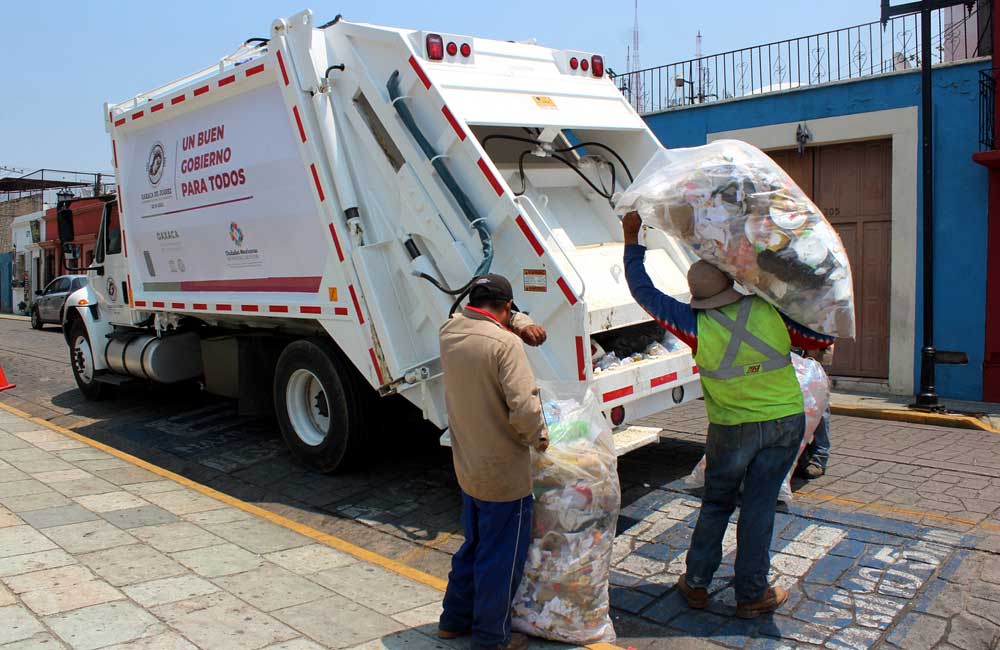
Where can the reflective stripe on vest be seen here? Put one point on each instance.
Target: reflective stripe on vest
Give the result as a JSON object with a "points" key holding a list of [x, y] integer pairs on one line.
{"points": [[738, 333]]}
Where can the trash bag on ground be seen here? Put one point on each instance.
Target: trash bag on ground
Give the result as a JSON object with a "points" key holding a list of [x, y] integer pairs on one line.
{"points": [[815, 398], [564, 593], [737, 209]]}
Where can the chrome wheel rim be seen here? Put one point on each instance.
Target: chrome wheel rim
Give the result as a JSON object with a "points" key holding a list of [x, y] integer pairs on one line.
{"points": [[308, 407], [83, 359]]}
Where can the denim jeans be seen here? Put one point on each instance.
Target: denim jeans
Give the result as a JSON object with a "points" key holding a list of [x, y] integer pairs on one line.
{"points": [[758, 455], [818, 451]]}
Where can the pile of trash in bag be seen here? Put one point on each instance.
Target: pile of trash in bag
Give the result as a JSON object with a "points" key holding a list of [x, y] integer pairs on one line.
{"points": [[737, 209], [815, 397], [628, 345], [564, 593]]}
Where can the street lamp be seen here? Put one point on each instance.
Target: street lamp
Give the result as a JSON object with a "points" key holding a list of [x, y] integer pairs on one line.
{"points": [[679, 82]]}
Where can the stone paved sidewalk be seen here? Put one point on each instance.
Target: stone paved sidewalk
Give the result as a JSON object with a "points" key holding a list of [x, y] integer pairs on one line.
{"points": [[96, 552]]}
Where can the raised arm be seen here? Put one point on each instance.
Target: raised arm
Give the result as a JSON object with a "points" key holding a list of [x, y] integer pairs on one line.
{"points": [[805, 338]]}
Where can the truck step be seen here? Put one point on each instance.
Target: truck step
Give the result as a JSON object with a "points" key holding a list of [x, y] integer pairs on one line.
{"points": [[633, 437], [113, 379]]}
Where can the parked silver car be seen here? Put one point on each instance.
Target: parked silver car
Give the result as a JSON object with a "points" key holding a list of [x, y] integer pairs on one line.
{"points": [[50, 301]]}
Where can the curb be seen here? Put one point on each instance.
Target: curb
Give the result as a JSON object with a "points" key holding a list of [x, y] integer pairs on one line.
{"points": [[913, 417], [14, 317]]}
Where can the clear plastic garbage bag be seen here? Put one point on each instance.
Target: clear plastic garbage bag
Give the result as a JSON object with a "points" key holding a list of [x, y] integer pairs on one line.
{"points": [[815, 397], [737, 209], [564, 593]]}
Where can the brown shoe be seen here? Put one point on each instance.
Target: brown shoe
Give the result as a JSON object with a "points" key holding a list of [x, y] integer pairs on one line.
{"points": [[772, 599], [517, 642], [448, 634], [697, 597]]}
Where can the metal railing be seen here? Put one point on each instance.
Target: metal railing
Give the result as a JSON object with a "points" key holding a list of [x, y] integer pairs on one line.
{"points": [[987, 126], [850, 53]]}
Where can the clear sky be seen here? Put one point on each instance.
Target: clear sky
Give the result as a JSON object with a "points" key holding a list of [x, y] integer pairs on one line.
{"points": [[63, 59]]}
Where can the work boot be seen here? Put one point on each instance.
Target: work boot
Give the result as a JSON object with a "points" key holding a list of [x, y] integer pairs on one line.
{"points": [[451, 634], [517, 642], [813, 470], [772, 599], [696, 597]]}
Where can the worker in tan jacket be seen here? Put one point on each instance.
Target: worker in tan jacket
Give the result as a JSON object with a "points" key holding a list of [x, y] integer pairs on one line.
{"points": [[495, 418]]}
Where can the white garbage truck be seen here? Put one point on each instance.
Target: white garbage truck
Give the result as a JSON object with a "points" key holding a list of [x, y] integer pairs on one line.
{"points": [[293, 224]]}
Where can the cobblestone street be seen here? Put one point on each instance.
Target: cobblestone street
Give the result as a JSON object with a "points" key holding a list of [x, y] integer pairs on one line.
{"points": [[898, 546]]}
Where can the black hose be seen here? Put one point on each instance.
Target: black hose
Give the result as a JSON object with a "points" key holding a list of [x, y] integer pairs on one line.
{"points": [[336, 19], [262, 41], [515, 138], [469, 210]]}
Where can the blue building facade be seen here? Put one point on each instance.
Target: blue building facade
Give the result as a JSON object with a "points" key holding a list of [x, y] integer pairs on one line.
{"points": [[880, 107]]}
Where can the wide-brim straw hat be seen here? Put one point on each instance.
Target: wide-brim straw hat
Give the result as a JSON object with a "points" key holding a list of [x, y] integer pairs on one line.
{"points": [[710, 287]]}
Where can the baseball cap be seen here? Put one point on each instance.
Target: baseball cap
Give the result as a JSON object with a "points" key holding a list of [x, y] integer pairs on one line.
{"points": [[491, 287]]}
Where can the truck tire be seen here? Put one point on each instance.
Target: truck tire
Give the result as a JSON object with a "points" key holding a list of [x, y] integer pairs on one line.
{"points": [[81, 357], [320, 405]]}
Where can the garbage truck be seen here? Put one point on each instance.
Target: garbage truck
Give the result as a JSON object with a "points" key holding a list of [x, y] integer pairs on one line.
{"points": [[293, 224]]}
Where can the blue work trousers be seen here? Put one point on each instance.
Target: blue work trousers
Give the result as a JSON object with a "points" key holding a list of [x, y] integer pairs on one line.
{"points": [[487, 570], [757, 455]]}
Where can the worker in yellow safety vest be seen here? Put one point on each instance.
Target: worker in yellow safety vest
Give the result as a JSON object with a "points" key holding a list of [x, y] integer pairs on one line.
{"points": [[742, 347]]}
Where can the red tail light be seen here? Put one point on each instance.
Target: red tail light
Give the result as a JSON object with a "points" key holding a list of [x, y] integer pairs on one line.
{"points": [[435, 47], [466, 49], [597, 65], [617, 415], [584, 64], [574, 63], [452, 48]]}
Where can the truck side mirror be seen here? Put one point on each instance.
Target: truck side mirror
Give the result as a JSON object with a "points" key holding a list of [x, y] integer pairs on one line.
{"points": [[64, 220]]}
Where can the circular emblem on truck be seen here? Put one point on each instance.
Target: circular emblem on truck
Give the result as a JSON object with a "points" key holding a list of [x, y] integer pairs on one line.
{"points": [[236, 234], [155, 164], [112, 290]]}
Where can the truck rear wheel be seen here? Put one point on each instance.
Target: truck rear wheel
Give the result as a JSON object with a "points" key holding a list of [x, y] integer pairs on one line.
{"points": [[320, 405], [81, 356]]}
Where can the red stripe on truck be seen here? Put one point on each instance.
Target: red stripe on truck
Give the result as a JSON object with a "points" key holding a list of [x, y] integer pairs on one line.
{"points": [[200, 306], [298, 122], [137, 115], [222, 307], [200, 91], [378, 370], [454, 123], [249, 308], [225, 81], [341, 311], [140, 303], [566, 290], [156, 107], [694, 370], [319, 186], [177, 305], [526, 229], [281, 64], [612, 395], [158, 304], [120, 121], [497, 187], [357, 305], [177, 100], [336, 242], [278, 309], [114, 152], [662, 379], [580, 367], [308, 309], [254, 70], [420, 72]]}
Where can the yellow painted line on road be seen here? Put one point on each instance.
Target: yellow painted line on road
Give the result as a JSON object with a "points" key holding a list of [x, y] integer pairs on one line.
{"points": [[830, 498], [914, 417], [324, 538]]}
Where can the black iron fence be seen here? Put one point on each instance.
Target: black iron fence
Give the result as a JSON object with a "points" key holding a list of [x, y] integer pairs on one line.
{"points": [[987, 126], [850, 53]]}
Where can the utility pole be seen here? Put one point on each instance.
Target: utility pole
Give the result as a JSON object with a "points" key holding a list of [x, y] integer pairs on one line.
{"points": [[927, 397]]}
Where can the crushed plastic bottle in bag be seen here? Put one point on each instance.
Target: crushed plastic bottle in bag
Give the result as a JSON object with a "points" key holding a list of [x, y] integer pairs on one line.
{"points": [[564, 593], [737, 209], [815, 387], [609, 361]]}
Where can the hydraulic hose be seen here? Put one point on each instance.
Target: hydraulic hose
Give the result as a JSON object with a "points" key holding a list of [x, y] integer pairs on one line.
{"points": [[476, 221]]}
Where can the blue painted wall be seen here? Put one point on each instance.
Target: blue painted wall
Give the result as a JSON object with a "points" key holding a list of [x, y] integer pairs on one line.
{"points": [[961, 189]]}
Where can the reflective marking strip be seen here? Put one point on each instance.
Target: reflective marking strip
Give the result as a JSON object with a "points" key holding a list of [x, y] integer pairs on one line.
{"points": [[225, 81], [177, 305], [617, 394], [526, 229], [200, 91], [662, 379], [249, 308], [157, 304], [140, 303], [200, 306], [281, 64], [308, 309], [128, 280], [357, 305], [581, 369], [298, 121], [278, 309], [420, 73], [694, 370], [341, 311], [124, 239], [223, 308], [497, 187], [156, 107], [319, 187], [254, 70], [177, 100], [566, 291], [336, 242], [114, 152], [454, 123], [137, 115], [378, 371], [120, 121]]}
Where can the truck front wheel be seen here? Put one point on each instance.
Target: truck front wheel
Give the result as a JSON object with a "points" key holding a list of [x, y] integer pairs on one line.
{"points": [[319, 405], [81, 356]]}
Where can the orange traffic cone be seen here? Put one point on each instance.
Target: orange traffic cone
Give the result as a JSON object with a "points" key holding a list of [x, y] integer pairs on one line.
{"points": [[4, 384]]}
